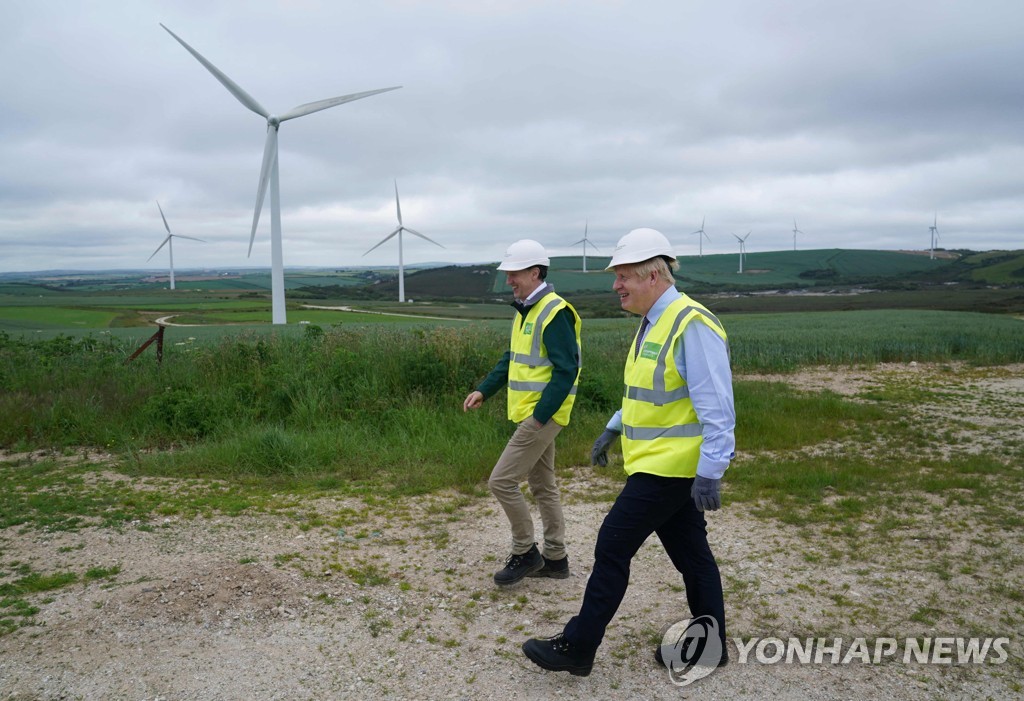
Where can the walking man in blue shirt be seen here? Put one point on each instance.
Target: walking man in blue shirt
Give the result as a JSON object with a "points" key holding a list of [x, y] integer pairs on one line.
{"points": [[677, 428]]}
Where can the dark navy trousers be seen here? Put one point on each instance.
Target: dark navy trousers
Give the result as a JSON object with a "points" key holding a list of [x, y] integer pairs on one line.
{"points": [[648, 504]]}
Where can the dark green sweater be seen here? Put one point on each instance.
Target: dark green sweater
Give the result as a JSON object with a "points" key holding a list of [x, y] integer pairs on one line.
{"points": [[560, 342]]}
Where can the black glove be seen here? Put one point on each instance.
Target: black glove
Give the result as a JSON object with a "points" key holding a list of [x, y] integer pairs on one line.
{"points": [[599, 453], [705, 494]]}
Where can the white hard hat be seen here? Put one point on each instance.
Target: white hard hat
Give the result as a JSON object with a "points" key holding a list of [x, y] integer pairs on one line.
{"points": [[640, 245], [524, 254]]}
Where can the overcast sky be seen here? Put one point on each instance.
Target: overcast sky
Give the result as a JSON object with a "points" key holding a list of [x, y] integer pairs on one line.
{"points": [[863, 121]]}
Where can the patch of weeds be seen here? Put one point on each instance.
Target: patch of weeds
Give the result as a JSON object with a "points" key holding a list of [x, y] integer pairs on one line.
{"points": [[283, 559], [926, 614], [94, 573], [376, 623], [367, 574]]}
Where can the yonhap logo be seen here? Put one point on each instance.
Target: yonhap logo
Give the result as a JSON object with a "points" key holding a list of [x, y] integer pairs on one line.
{"points": [[691, 649]]}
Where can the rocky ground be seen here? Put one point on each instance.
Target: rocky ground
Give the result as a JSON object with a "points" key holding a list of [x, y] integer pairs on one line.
{"points": [[399, 603]]}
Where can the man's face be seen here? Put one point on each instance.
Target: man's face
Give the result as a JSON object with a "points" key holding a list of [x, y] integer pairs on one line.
{"points": [[522, 282], [636, 294]]}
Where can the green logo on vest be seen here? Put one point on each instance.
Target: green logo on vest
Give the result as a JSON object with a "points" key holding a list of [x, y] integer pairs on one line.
{"points": [[650, 350], [528, 328]]}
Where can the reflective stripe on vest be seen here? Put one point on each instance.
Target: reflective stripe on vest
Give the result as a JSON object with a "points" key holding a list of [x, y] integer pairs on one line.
{"points": [[661, 432], [534, 358], [533, 387], [530, 369]]}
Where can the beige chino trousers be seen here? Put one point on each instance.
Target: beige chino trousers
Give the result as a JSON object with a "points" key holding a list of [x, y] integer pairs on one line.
{"points": [[530, 456]]}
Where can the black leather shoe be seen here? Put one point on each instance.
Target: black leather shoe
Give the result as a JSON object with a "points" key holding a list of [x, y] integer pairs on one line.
{"points": [[555, 569], [519, 566], [559, 655]]}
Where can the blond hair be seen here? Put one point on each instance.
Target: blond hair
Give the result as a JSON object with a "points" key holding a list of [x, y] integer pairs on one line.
{"points": [[663, 266]]}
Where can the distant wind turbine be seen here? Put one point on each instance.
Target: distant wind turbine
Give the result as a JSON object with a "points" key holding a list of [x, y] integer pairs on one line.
{"points": [[701, 237], [743, 249], [269, 169], [586, 242], [795, 232], [934, 231], [169, 243], [398, 232]]}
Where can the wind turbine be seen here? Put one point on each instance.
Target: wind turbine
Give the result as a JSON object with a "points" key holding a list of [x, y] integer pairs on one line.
{"points": [[169, 243], [398, 232], [586, 242], [795, 232], [934, 231], [269, 169], [701, 237], [743, 249]]}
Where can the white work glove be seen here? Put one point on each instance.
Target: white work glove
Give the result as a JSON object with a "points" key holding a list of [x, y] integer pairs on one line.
{"points": [[705, 494]]}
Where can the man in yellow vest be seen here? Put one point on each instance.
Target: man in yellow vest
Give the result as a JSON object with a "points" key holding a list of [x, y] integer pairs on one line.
{"points": [[541, 369], [677, 426]]}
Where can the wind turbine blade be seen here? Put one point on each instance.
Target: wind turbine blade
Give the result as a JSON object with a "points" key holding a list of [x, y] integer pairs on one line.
{"points": [[190, 238], [269, 154], [310, 107], [416, 233], [398, 205], [583, 241], [163, 217], [159, 247], [241, 95], [592, 246], [386, 239]]}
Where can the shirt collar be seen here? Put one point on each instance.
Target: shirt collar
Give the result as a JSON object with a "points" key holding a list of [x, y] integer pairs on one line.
{"points": [[541, 290], [532, 298], [661, 304]]}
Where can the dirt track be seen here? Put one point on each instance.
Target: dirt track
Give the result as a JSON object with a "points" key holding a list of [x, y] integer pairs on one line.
{"points": [[252, 607]]}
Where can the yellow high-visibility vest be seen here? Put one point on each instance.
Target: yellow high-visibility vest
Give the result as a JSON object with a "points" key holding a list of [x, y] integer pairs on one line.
{"points": [[660, 431], [529, 369]]}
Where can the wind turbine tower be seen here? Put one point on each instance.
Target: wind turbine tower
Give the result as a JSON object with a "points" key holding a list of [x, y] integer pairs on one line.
{"points": [[269, 169], [398, 232], [796, 231], [934, 231], [586, 242], [743, 249], [169, 243], [701, 237]]}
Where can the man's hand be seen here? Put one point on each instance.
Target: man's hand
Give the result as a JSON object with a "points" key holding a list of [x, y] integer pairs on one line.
{"points": [[473, 400], [705, 494], [599, 453]]}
